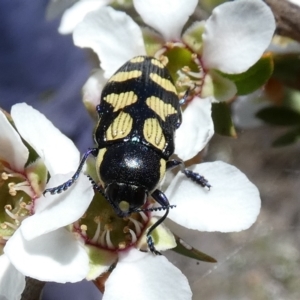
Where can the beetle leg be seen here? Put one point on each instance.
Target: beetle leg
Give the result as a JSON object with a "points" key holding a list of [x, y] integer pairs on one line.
{"points": [[160, 198], [185, 97], [67, 184], [199, 179]]}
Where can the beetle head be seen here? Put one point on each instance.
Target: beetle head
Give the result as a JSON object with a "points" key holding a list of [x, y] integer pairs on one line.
{"points": [[126, 198]]}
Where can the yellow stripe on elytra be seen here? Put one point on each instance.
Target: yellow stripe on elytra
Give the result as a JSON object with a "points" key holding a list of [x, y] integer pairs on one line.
{"points": [[120, 127], [164, 83], [137, 59], [160, 107], [123, 76], [153, 133], [162, 169], [157, 63], [119, 101], [99, 160]]}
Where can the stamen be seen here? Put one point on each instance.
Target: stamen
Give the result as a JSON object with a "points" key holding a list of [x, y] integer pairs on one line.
{"points": [[132, 234], [188, 71], [11, 225], [137, 225], [97, 233], [5, 176], [144, 216], [102, 238], [12, 190], [108, 240], [7, 209], [83, 229], [160, 53]]}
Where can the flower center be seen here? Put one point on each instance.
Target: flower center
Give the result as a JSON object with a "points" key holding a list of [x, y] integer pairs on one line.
{"points": [[185, 68], [102, 227], [15, 201]]}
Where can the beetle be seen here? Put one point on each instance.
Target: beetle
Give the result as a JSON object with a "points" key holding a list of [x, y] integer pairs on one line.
{"points": [[139, 113]]}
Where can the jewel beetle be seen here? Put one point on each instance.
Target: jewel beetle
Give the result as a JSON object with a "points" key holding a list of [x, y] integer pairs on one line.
{"points": [[139, 113]]}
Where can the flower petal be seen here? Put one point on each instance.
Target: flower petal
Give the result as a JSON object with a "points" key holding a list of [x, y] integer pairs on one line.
{"points": [[232, 204], [12, 148], [99, 261], [58, 152], [167, 17], [218, 87], [55, 256], [233, 40], [55, 211], [75, 14], [113, 35], [244, 109], [196, 129], [151, 277], [12, 282], [162, 237], [91, 91]]}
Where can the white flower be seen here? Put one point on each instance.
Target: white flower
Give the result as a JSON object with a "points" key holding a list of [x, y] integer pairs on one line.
{"points": [[34, 240]]}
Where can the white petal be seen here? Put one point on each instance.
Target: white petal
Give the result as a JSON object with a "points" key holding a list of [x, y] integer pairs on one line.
{"points": [[12, 148], [55, 211], [236, 35], [113, 35], [167, 17], [99, 261], [91, 91], [75, 14], [145, 276], [218, 87], [232, 204], [244, 109], [58, 152], [56, 256], [196, 129], [12, 282]]}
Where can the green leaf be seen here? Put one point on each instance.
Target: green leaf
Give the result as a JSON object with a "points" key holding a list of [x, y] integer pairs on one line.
{"points": [[282, 116], [287, 69], [185, 249], [254, 77], [289, 138], [222, 119]]}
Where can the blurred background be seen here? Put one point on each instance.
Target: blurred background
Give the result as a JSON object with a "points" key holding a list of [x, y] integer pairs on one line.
{"points": [[43, 68]]}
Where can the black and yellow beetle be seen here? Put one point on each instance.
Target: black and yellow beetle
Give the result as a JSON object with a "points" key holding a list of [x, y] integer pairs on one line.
{"points": [[139, 113]]}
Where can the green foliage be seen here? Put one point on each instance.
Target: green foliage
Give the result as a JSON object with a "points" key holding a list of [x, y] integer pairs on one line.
{"points": [[184, 249], [287, 69], [254, 77], [288, 138], [221, 116], [282, 116]]}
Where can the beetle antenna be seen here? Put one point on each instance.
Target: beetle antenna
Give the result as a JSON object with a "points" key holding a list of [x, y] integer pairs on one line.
{"points": [[63, 187], [159, 208], [98, 188]]}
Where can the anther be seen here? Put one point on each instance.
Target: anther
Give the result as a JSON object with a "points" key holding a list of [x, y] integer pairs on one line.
{"points": [[83, 229], [122, 245]]}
